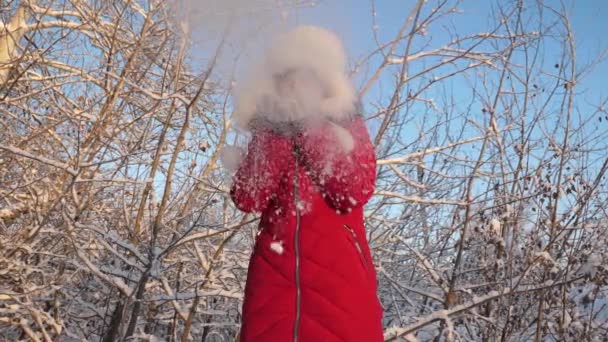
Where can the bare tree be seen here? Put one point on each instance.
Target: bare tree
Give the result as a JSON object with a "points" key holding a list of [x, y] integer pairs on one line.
{"points": [[109, 176], [488, 219]]}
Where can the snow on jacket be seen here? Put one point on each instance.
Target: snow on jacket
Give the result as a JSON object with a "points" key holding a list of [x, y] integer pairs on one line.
{"points": [[311, 275]]}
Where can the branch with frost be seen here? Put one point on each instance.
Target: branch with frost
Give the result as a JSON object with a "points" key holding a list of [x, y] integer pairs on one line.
{"points": [[198, 236], [14, 312], [392, 59], [426, 265], [406, 179], [40, 159], [411, 19], [120, 256], [112, 281], [393, 333], [418, 199], [235, 294], [10, 35], [415, 290], [89, 21], [183, 315], [203, 235], [453, 54], [150, 93], [111, 180], [55, 13], [446, 50], [112, 238], [12, 212], [426, 152]]}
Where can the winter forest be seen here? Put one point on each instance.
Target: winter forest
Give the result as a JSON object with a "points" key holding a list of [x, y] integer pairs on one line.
{"points": [[489, 219]]}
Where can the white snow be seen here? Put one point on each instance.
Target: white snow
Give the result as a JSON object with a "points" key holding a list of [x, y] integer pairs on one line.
{"points": [[495, 226], [6, 213], [260, 93], [344, 138], [544, 256], [277, 247], [590, 267], [395, 60], [567, 320], [231, 156]]}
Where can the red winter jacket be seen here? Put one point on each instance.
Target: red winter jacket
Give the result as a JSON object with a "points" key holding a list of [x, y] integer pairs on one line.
{"points": [[311, 276]]}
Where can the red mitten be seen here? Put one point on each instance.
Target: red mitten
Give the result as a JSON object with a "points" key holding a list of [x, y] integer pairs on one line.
{"points": [[342, 166], [259, 175]]}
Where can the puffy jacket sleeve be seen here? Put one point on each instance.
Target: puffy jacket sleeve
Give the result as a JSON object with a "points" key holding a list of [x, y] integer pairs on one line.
{"points": [[258, 177], [346, 176]]}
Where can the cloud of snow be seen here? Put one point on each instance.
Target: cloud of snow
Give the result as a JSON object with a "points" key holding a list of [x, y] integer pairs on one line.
{"points": [[277, 247], [244, 26], [344, 137], [209, 17], [301, 77], [230, 157], [260, 44], [277, 72]]}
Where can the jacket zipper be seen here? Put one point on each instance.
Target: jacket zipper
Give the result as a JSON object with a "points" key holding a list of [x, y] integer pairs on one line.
{"points": [[357, 246], [296, 185]]}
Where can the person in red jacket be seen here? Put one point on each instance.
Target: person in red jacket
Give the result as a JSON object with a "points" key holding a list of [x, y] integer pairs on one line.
{"points": [[311, 276]]}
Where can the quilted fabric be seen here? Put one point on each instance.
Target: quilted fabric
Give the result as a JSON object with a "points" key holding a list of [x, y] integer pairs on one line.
{"points": [[311, 275]]}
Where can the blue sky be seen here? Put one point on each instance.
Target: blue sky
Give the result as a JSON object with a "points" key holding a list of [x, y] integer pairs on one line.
{"points": [[353, 21]]}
